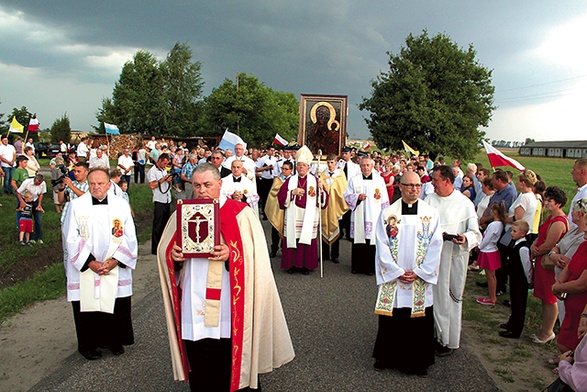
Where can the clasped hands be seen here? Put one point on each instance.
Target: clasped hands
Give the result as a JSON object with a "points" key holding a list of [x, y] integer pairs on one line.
{"points": [[220, 253], [103, 268], [408, 277]]}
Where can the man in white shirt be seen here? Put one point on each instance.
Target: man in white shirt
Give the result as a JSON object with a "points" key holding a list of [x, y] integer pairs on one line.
{"points": [[100, 160], [126, 164], [238, 187], [265, 167], [160, 183], [579, 174], [7, 158], [350, 170], [82, 150]]}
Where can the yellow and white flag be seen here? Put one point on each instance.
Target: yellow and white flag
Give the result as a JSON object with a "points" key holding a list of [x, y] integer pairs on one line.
{"points": [[410, 150], [15, 126]]}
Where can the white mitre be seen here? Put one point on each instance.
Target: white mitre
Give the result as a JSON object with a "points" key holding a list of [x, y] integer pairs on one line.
{"points": [[304, 155]]}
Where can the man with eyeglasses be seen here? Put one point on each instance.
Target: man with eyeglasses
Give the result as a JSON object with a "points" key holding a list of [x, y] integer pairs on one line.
{"points": [[366, 196], [273, 212], [409, 242], [216, 159], [461, 234]]}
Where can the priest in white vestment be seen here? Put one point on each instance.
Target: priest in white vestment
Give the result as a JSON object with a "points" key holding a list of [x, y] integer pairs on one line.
{"points": [[238, 187], [459, 219], [224, 316], [350, 169], [248, 164], [99, 236], [302, 196], [366, 196], [409, 242]]}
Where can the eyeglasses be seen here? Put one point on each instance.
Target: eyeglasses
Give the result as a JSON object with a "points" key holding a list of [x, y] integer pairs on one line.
{"points": [[412, 185]]}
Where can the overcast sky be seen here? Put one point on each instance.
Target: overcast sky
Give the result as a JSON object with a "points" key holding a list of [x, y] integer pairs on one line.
{"points": [[65, 56]]}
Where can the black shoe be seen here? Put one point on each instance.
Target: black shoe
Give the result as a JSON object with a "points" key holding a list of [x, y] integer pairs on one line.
{"points": [[117, 350], [305, 271], [353, 271], [508, 334], [481, 284], [422, 373], [92, 355], [292, 270], [370, 274], [379, 366], [504, 326], [264, 217], [335, 260], [273, 253], [443, 351]]}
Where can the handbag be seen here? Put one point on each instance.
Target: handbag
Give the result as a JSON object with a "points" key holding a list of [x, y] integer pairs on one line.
{"points": [[506, 238]]}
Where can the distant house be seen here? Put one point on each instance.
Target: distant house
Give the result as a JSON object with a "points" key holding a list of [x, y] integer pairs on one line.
{"points": [[565, 149]]}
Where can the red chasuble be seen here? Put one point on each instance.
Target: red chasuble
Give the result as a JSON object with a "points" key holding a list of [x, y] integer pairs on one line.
{"points": [[230, 232]]}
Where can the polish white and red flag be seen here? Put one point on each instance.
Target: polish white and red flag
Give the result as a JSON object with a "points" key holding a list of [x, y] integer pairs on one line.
{"points": [[497, 158], [366, 146], [279, 140], [33, 125]]}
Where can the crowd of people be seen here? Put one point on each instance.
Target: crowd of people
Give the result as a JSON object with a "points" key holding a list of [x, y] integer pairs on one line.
{"points": [[417, 224]]}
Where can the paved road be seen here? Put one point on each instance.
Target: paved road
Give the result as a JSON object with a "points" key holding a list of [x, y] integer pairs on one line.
{"points": [[333, 329]]}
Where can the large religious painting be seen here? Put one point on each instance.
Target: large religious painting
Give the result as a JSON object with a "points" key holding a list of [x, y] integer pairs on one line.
{"points": [[323, 123]]}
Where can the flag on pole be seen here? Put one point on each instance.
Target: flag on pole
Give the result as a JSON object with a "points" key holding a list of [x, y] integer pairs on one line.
{"points": [[279, 140], [33, 125], [15, 126], [229, 140], [366, 146], [497, 158], [410, 150], [111, 129]]}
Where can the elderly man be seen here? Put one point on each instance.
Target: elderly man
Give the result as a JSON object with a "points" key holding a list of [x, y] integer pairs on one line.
{"points": [[186, 175], [335, 184], [350, 169], [248, 164], [100, 160], [409, 242], [302, 196], [160, 183], [37, 187], [238, 187], [230, 335], [99, 235], [461, 234], [366, 196], [216, 159]]}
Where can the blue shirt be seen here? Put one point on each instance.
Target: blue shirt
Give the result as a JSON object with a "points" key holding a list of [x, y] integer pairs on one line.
{"points": [[507, 195], [188, 169]]}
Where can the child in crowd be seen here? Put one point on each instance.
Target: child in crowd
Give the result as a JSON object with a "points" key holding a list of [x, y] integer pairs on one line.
{"points": [[124, 188], [520, 272], [25, 223], [489, 258]]}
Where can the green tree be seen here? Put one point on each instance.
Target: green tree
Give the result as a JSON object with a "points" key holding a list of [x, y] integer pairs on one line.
{"points": [[158, 98], [182, 87], [138, 101], [252, 110], [435, 97], [23, 116], [61, 130]]}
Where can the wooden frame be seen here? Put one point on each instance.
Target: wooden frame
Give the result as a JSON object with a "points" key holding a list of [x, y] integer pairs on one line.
{"points": [[323, 123]]}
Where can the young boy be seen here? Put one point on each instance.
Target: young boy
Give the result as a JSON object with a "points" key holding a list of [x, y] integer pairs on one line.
{"points": [[520, 273], [25, 223]]}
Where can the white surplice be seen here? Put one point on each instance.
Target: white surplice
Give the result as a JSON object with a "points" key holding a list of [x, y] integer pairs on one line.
{"points": [[408, 242], [365, 213], [457, 216], [89, 229], [246, 186]]}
